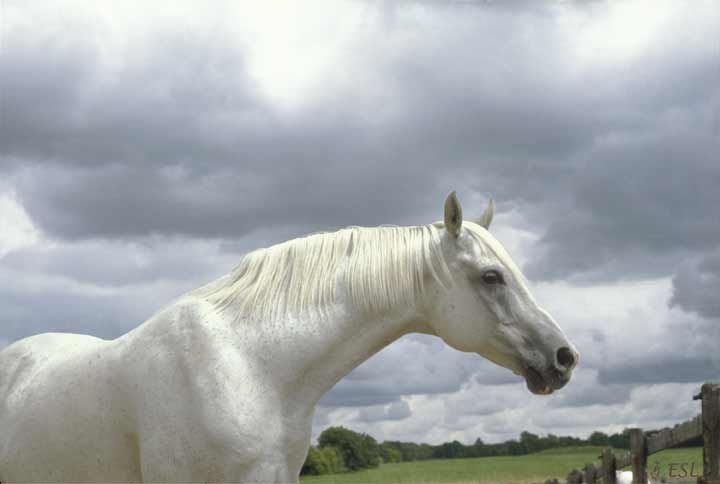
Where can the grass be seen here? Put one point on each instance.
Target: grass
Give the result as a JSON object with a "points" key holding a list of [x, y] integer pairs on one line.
{"points": [[527, 469]]}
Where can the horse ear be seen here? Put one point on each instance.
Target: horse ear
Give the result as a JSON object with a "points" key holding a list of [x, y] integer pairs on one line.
{"points": [[453, 214], [486, 218]]}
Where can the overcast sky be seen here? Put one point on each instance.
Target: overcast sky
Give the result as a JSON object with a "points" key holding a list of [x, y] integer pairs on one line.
{"points": [[144, 147]]}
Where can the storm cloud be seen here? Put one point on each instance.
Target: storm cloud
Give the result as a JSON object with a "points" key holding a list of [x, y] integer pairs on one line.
{"points": [[142, 152]]}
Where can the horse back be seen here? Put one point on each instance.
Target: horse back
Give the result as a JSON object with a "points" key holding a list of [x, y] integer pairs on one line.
{"points": [[53, 399], [28, 357]]}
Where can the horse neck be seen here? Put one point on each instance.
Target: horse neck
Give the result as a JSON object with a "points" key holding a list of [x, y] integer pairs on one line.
{"points": [[313, 354]]}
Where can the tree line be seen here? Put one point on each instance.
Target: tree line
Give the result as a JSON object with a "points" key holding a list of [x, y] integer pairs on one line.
{"points": [[340, 449]]}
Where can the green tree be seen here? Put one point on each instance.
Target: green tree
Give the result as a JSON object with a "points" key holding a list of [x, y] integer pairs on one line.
{"points": [[359, 451], [449, 450], [370, 450], [598, 438], [515, 448], [389, 453], [620, 441], [315, 463], [550, 442], [530, 442], [424, 452], [334, 459]]}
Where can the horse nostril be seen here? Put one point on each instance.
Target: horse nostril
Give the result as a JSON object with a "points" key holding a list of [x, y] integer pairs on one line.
{"points": [[565, 357]]}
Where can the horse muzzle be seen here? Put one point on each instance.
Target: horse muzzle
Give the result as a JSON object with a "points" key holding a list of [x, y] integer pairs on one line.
{"points": [[544, 382]]}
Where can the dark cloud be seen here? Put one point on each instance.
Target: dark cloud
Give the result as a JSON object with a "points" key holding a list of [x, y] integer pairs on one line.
{"points": [[696, 287], [153, 162], [37, 306], [585, 390], [414, 365], [107, 264], [675, 366], [181, 140], [130, 202], [100, 288], [637, 210], [160, 101]]}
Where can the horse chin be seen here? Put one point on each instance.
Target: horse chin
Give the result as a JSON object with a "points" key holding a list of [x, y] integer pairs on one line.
{"points": [[535, 382]]}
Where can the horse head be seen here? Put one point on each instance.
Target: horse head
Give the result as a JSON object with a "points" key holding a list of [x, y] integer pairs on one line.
{"points": [[488, 309]]}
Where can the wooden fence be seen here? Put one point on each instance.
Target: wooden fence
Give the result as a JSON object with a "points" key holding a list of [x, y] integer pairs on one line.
{"points": [[705, 425]]}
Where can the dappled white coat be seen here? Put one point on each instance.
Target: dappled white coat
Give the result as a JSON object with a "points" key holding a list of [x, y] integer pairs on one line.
{"points": [[221, 385]]}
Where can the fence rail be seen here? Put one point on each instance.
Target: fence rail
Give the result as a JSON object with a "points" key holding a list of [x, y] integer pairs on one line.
{"points": [[667, 438], [705, 425]]}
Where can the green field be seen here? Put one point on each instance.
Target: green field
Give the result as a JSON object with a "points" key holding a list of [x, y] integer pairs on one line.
{"points": [[527, 469]]}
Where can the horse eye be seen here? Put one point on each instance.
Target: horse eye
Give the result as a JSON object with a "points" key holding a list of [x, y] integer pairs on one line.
{"points": [[492, 277]]}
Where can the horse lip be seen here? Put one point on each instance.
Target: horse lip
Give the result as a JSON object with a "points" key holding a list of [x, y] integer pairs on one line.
{"points": [[535, 381]]}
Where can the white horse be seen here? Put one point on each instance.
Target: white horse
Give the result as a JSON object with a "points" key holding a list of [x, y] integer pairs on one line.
{"points": [[222, 384]]}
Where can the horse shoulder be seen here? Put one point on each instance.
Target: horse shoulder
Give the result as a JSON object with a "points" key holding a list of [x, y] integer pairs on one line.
{"points": [[229, 399], [191, 387]]}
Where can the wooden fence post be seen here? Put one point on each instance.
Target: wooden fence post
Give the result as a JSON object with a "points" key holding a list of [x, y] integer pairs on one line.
{"points": [[575, 477], [609, 466], [638, 449], [590, 474], [711, 433]]}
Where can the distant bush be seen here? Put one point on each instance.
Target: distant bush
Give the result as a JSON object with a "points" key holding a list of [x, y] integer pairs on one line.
{"points": [[340, 449], [599, 438], [334, 459], [410, 451], [450, 450], [315, 464], [620, 441], [327, 460], [389, 454]]}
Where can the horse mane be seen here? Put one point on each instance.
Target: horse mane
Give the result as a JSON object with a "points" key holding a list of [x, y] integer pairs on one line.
{"points": [[381, 268]]}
